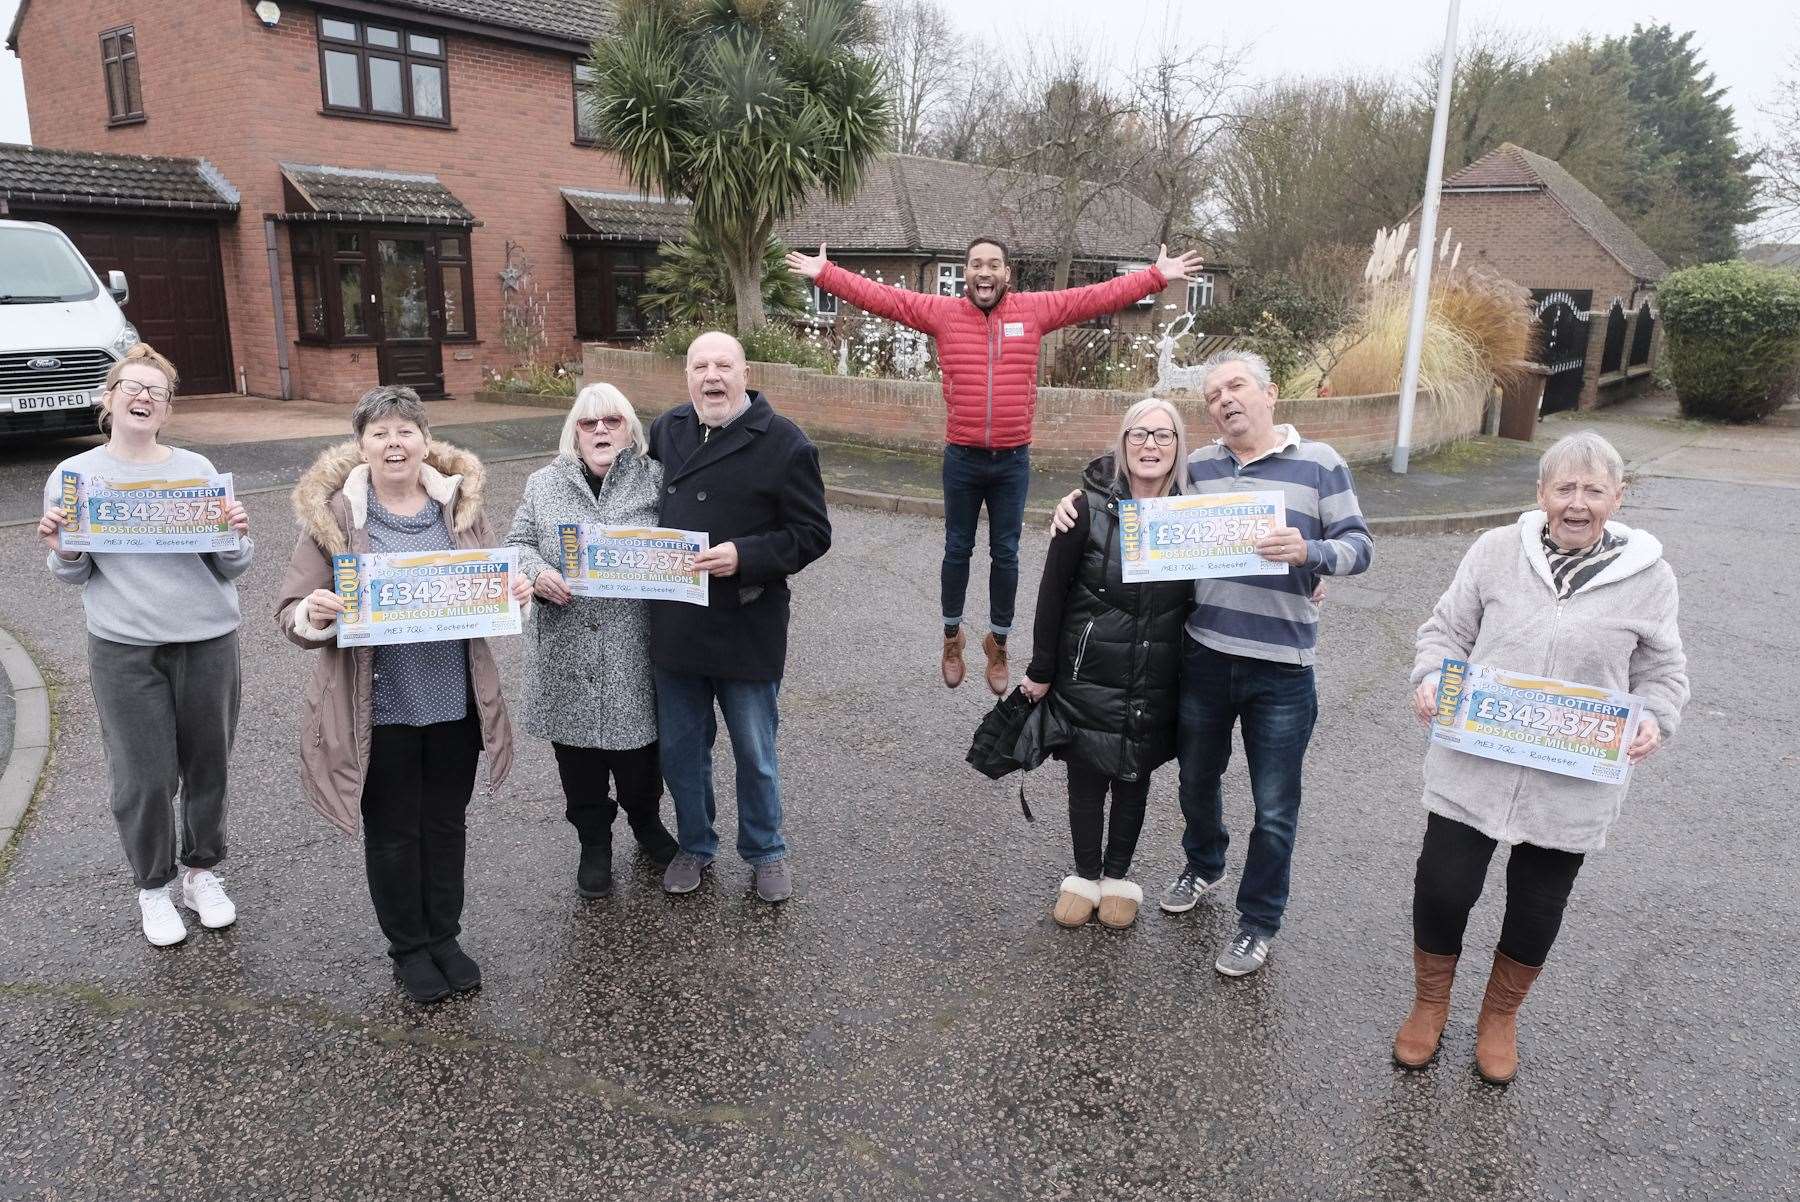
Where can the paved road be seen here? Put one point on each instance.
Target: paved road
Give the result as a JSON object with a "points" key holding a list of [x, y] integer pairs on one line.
{"points": [[912, 1025]]}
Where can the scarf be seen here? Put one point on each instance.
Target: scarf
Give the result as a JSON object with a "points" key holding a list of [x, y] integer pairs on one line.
{"points": [[1569, 570]]}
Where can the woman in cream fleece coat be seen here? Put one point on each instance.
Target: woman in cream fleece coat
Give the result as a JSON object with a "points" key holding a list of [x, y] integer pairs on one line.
{"points": [[1566, 594]]}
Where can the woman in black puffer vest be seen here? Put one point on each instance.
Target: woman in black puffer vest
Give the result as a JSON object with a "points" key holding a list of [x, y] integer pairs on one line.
{"points": [[1105, 664]]}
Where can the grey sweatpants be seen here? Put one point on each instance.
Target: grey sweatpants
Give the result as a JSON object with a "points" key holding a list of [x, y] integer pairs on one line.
{"points": [[168, 714]]}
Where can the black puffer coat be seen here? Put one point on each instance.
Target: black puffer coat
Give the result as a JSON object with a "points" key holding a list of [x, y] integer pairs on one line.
{"points": [[1113, 703]]}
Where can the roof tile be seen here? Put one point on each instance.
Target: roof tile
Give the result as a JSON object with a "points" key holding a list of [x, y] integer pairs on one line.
{"points": [[125, 180], [628, 218], [355, 194]]}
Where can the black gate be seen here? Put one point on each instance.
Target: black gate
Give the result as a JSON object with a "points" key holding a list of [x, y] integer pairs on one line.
{"points": [[1563, 318]]}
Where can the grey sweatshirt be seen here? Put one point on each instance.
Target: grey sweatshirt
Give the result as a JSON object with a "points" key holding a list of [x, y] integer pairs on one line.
{"points": [[150, 599]]}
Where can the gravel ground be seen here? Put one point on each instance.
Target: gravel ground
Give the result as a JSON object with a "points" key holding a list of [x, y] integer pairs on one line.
{"points": [[912, 1024]]}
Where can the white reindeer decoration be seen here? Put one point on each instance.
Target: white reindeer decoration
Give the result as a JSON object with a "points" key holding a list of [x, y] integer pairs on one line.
{"points": [[1170, 376]]}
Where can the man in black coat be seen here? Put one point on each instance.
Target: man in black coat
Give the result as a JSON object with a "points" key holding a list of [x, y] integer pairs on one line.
{"points": [[750, 478]]}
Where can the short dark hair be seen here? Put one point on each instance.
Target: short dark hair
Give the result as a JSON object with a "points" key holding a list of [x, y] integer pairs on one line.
{"points": [[390, 401], [1005, 255]]}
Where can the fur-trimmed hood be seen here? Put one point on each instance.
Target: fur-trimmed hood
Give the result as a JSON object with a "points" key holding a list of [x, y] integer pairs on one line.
{"points": [[452, 477]]}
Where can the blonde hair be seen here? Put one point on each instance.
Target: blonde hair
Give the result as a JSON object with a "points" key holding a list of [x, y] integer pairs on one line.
{"points": [[602, 400], [1177, 479], [142, 353]]}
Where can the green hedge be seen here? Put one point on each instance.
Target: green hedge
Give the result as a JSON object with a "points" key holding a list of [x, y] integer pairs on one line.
{"points": [[1733, 339], [773, 343]]}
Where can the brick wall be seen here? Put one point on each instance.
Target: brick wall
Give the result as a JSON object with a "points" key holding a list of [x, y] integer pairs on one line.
{"points": [[219, 85], [1072, 423]]}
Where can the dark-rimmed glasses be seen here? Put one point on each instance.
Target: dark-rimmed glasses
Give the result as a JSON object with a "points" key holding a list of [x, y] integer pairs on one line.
{"points": [[135, 388], [1137, 436]]}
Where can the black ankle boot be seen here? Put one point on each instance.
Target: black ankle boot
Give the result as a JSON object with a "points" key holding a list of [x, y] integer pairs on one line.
{"points": [[461, 973], [594, 877], [420, 976]]}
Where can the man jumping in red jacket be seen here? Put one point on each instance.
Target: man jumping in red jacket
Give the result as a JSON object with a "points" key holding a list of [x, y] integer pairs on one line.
{"points": [[988, 341]]}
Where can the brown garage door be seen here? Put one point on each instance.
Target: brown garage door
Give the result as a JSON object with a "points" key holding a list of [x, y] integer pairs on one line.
{"points": [[177, 291]]}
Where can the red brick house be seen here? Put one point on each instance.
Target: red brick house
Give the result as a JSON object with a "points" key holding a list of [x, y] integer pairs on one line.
{"points": [[1593, 280], [336, 185]]}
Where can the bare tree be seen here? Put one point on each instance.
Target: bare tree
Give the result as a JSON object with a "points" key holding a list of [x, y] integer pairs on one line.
{"points": [[925, 64], [1184, 104], [1779, 161]]}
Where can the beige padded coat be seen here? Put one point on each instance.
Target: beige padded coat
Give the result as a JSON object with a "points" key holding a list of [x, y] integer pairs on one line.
{"points": [[1618, 630], [331, 502]]}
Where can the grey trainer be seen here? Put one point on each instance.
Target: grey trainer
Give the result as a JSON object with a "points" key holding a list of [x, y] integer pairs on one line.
{"points": [[683, 873], [773, 880], [1185, 892], [1243, 955]]}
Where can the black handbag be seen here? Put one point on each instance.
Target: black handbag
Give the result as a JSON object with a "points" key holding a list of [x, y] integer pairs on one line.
{"points": [[1011, 738]]}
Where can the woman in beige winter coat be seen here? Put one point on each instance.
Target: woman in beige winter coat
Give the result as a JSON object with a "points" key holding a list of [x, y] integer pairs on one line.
{"points": [[392, 733], [1567, 594]]}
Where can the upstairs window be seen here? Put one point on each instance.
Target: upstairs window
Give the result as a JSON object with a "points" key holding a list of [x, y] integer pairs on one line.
{"points": [[119, 61], [377, 69], [950, 279], [586, 133]]}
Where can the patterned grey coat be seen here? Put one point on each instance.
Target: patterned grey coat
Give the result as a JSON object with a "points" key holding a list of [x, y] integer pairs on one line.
{"points": [[587, 664]]}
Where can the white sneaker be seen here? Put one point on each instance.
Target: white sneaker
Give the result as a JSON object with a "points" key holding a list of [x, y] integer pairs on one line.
{"points": [[204, 894], [162, 925]]}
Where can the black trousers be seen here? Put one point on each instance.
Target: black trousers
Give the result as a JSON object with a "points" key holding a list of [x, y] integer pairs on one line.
{"points": [[637, 788], [1087, 819], [1453, 866], [415, 839]]}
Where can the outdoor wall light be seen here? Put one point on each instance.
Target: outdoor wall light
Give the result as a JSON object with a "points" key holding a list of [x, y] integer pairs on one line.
{"points": [[269, 13]]}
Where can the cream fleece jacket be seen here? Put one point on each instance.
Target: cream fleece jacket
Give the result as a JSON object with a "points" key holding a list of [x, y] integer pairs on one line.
{"points": [[1618, 631]]}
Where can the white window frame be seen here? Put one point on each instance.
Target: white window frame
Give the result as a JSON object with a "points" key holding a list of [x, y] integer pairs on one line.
{"points": [[824, 304], [1200, 292], [952, 279], [1128, 269]]}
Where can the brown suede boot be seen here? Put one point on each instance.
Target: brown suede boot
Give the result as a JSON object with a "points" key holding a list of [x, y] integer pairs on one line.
{"points": [[1417, 1042], [953, 659], [998, 677], [1497, 1027]]}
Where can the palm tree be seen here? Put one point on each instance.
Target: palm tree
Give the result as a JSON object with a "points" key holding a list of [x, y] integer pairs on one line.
{"points": [[743, 106]]}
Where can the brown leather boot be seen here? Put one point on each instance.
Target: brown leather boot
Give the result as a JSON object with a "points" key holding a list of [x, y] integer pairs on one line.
{"points": [[1497, 1027], [1417, 1042], [998, 677], [953, 659]]}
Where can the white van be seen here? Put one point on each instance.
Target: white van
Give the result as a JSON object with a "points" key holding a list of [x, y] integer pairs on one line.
{"points": [[60, 332]]}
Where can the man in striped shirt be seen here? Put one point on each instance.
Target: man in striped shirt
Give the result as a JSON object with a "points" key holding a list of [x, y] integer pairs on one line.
{"points": [[1248, 652]]}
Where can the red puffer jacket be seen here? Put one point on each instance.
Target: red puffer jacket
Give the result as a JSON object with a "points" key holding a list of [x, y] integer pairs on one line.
{"points": [[990, 360]]}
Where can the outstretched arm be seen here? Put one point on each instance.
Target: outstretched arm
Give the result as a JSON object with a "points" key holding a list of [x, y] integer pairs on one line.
{"points": [[1072, 305], [913, 309]]}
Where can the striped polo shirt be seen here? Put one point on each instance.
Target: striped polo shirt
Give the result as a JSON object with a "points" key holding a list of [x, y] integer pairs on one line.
{"points": [[1273, 617]]}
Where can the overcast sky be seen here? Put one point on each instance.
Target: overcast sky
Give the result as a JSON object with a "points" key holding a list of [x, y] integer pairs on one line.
{"points": [[1747, 43]]}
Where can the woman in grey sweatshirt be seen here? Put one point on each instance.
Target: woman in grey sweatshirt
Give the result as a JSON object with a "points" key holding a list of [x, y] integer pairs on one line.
{"points": [[1569, 595], [162, 660]]}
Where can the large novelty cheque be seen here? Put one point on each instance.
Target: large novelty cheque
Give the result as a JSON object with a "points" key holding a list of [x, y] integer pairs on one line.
{"points": [[425, 596], [1555, 725], [146, 516], [1198, 537], [633, 561]]}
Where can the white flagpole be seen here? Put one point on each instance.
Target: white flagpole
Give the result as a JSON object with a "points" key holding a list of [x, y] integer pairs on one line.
{"points": [[1434, 179]]}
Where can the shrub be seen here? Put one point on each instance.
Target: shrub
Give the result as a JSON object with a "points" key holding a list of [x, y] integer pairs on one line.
{"points": [[690, 283], [773, 343], [1732, 334]]}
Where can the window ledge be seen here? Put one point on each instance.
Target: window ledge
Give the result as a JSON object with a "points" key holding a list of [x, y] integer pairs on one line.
{"points": [[352, 115], [115, 122]]}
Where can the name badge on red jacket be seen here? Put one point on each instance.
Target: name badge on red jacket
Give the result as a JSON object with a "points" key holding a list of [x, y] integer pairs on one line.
{"points": [[1013, 329]]}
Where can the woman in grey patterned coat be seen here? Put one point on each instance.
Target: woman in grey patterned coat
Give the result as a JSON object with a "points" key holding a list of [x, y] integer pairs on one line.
{"points": [[588, 684]]}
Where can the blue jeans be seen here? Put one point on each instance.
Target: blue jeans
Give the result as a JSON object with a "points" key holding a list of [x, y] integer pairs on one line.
{"points": [[1276, 706], [687, 727], [999, 479]]}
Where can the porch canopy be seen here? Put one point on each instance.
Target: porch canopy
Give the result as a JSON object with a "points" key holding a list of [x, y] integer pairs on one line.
{"points": [[625, 217], [368, 197]]}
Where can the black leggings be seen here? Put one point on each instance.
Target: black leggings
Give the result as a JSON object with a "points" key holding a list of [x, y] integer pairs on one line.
{"points": [[1453, 866], [637, 788], [414, 805], [1087, 818]]}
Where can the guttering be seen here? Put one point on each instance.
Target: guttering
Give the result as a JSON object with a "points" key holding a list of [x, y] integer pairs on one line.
{"points": [[373, 219], [281, 346], [72, 199]]}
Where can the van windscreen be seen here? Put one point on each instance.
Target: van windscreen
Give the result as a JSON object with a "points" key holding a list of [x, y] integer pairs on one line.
{"points": [[40, 267]]}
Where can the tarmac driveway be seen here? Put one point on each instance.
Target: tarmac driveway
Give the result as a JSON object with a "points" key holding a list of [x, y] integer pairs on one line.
{"points": [[912, 1024]]}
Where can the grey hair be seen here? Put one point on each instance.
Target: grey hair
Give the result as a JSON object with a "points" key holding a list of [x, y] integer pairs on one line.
{"points": [[1176, 481], [602, 400], [1584, 449], [390, 401], [1257, 365]]}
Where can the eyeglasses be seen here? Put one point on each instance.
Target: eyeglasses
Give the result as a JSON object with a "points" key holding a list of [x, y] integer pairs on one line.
{"points": [[133, 388], [612, 421], [1137, 436]]}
